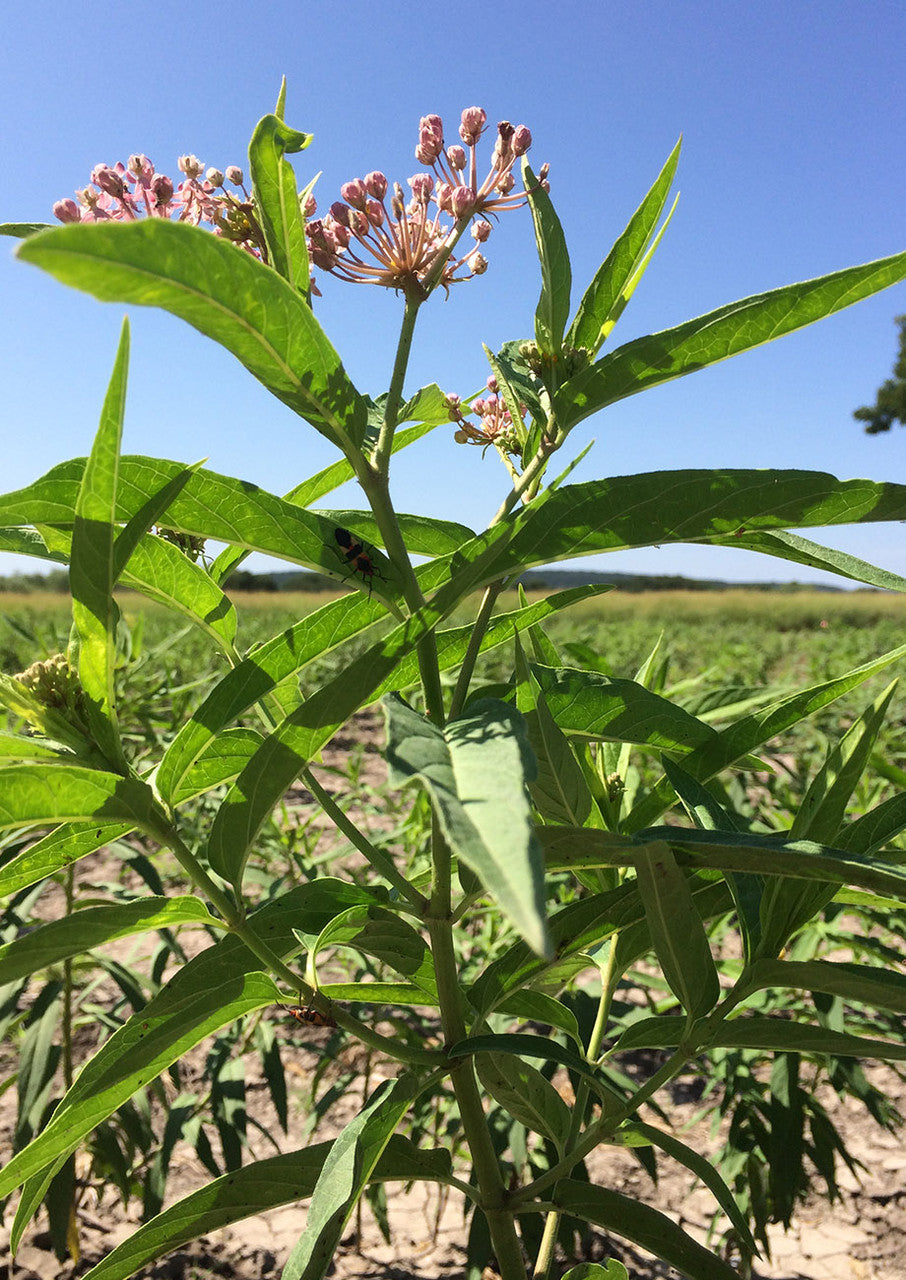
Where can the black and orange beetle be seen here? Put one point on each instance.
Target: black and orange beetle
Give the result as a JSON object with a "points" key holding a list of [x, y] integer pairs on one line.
{"points": [[352, 549]]}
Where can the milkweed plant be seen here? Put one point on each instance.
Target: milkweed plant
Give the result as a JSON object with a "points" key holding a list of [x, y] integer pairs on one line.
{"points": [[589, 817]]}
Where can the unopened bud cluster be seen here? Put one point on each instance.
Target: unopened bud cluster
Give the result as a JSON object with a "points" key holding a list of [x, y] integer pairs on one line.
{"points": [[126, 192], [378, 234], [571, 360], [55, 685], [496, 426]]}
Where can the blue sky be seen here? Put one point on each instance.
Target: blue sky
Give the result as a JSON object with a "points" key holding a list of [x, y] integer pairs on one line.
{"points": [[792, 166]]}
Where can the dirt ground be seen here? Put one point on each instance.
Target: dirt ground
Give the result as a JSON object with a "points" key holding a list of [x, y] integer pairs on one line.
{"points": [[862, 1237]]}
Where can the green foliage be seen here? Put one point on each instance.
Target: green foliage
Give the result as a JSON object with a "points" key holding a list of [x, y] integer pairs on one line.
{"points": [[584, 814], [890, 403]]}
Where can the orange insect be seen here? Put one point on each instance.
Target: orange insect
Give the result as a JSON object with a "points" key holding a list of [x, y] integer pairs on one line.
{"points": [[309, 1016]]}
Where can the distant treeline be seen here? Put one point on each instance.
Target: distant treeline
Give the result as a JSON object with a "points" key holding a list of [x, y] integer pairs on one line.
{"points": [[57, 580]]}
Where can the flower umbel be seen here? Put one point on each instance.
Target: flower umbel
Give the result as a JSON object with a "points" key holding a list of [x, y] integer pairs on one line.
{"points": [[126, 192], [496, 422], [404, 244]]}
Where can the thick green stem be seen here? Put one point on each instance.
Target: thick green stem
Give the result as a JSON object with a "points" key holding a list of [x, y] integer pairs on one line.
{"points": [[381, 457], [492, 1191]]}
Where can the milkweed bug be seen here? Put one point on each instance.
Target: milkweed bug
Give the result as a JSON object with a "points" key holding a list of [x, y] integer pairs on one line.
{"points": [[352, 549], [309, 1017]]}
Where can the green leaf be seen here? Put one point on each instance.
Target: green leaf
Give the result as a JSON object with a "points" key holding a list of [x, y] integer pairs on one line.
{"points": [[208, 505], [21, 230], [729, 330], [552, 312], [594, 706], [677, 932], [277, 198], [54, 793], [226, 294], [703, 1169], [611, 1270], [91, 927], [785, 907], [255, 1188], [423, 535], [798, 550], [377, 932], [618, 275], [347, 1170], [217, 986], [526, 1095], [61, 848], [750, 732], [643, 1225], [768, 855], [475, 770], [777, 1035], [92, 574], [519, 1044], [864, 984]]}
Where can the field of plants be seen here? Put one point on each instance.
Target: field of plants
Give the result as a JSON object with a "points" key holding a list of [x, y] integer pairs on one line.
{"points": [[262, 1080]]}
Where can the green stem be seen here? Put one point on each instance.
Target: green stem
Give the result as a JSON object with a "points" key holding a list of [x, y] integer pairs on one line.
{"points": [[381, 457], [492, 1191], [482, 621]]}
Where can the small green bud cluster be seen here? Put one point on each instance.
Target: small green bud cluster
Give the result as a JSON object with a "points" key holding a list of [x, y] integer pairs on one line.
{"points": [[55, 685], [188, 543], [571, 360]]}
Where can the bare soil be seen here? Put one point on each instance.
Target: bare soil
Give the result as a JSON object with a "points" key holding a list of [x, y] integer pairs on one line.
{"points": [[861, 1237]]}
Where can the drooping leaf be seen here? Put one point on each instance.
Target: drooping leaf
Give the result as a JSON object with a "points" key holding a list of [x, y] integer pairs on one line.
{"points": [[226, 294], [475, 770], [552, 312]]}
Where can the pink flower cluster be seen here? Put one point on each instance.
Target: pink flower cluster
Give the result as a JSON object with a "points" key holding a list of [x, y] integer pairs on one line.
{"points": [[123, 193], [496, 425], [403, 242]]}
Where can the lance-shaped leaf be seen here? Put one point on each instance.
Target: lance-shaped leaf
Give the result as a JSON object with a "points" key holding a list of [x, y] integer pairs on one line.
{"points": [[377, 932], [798, 550], [92, 574], [475, 770], [212, 990], [677, 932], [541, 1047], [277, 198], [590, 705], [729, 330], [526, 1095], [749, 733], [777, 1035], [54, 793], [643, 1225], [226, 294], [347, 1170], [423, 535], [616, 278], [75, 934], [266, 1184], [552, 312], [207, 505]]}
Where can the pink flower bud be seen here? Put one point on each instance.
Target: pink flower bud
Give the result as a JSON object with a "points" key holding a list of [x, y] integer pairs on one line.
{"points": [[354, 193], [358, 223], [522, 140], [376, 184], [478, 263], [443, 194], [108, 180], [473, 122], [340, 213], [422, 185], [309, 205], [456, 158], [234, 174], [375, 211], [492, 384], [506, 183], [161, 189], [67, 211], [481, 230], [481, 407], [191, 166], [461, 201], [430, 139], [215, 177]]}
